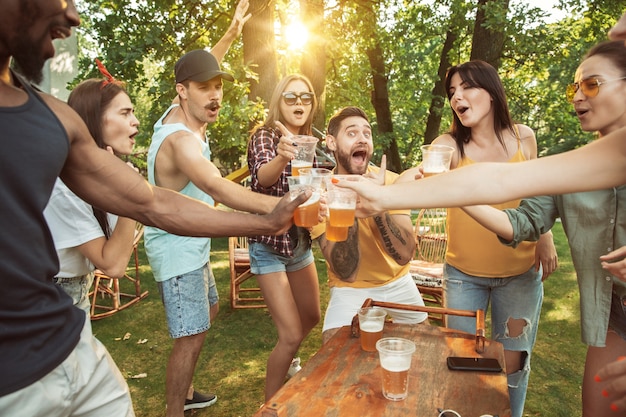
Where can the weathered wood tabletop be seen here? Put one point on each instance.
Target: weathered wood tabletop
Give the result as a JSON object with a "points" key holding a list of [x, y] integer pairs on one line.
{"points": [[343, 380]]}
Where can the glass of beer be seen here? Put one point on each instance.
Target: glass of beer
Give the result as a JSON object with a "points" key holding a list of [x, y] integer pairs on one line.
{"points": [[320, 176], [305, 153], [395, 360], [335, 233], [371, 324], [341, 206], [307, 213], [436, 159]]}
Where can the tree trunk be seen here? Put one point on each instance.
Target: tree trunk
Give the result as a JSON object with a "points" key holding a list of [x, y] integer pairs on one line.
{"points": [[259, 49], [439, 95], [313, 64], [380, 95], [487, 42]]}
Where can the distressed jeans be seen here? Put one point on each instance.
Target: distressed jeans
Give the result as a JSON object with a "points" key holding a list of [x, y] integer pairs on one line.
{"points": [[516, 297]]}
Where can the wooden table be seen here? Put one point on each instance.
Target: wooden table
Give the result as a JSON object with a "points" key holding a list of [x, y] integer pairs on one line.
{"points": [[342, 380]]}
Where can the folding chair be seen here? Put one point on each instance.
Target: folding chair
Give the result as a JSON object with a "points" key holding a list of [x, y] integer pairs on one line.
{"points": [[109, 288], [443, 311], [248, 295], [427, 266]]}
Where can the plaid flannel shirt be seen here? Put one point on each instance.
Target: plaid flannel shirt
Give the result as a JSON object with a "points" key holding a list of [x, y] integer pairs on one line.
{"points": [[261, 150]]}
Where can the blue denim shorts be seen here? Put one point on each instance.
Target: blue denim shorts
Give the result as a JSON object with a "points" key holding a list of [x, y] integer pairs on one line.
{"points": [[265, 260], [188, 299], [617, 319]]}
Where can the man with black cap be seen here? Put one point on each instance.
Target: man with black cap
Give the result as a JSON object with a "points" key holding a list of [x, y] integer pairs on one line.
{"points": [[179, 159]]}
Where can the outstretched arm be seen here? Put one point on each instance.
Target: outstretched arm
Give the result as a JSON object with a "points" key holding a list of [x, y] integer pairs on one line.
{"points": [[103, 180], [234, 30], [598, 165]]}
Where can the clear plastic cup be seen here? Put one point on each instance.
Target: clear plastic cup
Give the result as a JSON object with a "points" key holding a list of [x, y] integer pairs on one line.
{"points": [[371, 325], [436, 159], [395, 360], [305, 153]]}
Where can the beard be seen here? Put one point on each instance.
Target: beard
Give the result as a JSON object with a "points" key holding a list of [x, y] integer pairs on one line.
{"points": [[28, 63], [28, 59], [345, 160]]}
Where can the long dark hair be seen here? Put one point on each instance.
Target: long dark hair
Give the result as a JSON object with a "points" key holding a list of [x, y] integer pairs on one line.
{"points": [[480, 74], [90, 99]]}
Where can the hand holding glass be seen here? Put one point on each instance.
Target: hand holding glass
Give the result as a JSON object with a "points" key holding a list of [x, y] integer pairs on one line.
{"points": [[307, 213], [305, 153]]}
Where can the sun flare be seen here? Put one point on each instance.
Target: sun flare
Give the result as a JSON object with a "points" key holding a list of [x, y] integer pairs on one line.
{"points": [[297, 35]]}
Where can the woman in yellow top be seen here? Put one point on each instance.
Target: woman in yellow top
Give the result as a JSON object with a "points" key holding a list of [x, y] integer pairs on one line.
{"points": [[478, 268]]}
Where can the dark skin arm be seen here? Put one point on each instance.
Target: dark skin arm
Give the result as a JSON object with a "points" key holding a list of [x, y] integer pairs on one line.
{"points": [[105, 181]]}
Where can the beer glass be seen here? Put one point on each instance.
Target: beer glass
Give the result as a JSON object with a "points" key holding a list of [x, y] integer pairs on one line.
{"points": [[371, 324], [305, 153], [307, 213], [436, 159], [395, 360]]}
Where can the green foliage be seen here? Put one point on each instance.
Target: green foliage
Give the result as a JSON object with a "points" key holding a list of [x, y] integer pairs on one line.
{"points": [[140, 40]]}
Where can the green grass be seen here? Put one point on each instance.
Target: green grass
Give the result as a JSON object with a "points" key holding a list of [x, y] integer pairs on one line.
{"points": [[232, 362]]}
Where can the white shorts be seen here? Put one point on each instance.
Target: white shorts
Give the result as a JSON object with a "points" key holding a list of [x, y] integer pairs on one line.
{"points": [[345, 302], [86, 384]]}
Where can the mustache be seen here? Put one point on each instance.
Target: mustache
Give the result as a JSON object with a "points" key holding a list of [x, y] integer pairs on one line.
{"points": [[214, 105]]}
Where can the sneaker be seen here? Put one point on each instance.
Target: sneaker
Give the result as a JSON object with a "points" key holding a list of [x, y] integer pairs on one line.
{"points": [[294, 368], [200, 400]]}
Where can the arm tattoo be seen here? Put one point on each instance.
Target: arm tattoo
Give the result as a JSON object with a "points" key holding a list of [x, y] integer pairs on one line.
{"points": [[345, 256], [387, 228]]}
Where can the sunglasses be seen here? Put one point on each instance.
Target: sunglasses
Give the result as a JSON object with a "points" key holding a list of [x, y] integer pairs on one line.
{"points": [[290, 98], [590, 87]]}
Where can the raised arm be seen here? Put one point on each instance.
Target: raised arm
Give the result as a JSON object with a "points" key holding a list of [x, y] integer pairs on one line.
{"points": [[234, 30]]}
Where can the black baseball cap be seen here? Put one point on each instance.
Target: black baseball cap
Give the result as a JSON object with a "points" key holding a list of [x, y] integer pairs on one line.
{"points": [[199, 65]]}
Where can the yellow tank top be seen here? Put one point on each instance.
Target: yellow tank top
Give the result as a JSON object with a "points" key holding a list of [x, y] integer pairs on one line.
{"points": [[477, 251]]}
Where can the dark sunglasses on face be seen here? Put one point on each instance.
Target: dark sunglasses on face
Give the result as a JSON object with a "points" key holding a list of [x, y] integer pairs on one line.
{"points": [[590, 87], [291, 98]]}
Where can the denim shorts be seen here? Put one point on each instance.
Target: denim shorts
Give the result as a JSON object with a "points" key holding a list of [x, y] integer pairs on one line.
{"points": [[78, 289], [617, 319], [188, 299], [265, 260]]}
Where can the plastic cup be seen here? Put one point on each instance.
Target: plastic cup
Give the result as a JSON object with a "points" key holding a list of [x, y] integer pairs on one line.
{"points": [[305, 153], [341, 206], [322, 175], [307, 213], [371, 324], [436, 159], [336, 234], [395, 360]]}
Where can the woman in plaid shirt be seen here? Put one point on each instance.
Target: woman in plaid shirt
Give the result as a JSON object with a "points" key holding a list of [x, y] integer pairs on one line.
{"points": [[284, 264]]}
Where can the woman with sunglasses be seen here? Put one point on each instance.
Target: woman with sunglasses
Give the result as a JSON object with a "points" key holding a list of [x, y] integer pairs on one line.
{"points": [[478, 270], [594, 222], [86, 237], [284, 264]]}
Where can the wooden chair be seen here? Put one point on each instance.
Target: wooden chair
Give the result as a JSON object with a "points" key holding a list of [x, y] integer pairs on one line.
{"points": [[427, 266], [242, 296], [479, 314], [109, 288]]}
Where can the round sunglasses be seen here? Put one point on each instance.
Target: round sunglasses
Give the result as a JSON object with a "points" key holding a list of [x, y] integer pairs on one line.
{"points": [[290, 98], [590, 87]]}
